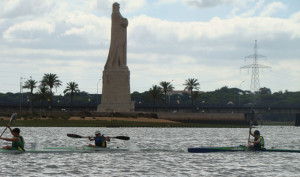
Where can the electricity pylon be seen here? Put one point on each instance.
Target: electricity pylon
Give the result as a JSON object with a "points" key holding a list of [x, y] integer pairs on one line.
{"points": [[255, 85]]}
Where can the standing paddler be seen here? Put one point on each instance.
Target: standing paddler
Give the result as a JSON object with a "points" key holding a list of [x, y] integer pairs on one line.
{"points": [[17, 140], [100, 140], [259, 142]]}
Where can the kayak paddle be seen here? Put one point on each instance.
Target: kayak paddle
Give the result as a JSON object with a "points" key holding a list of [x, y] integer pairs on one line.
{"points": [[251, 126], [116, 137], [249, 136], [12, 118]]}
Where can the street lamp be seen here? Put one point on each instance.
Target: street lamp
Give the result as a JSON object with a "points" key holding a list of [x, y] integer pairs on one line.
{"points": [[169, 94], [49, 107], [240, 93], [89, 101], [97, 89], [178, 99], [21, 92]]}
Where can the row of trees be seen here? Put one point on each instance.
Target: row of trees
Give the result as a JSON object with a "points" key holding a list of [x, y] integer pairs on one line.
{"points": [[50, 81], [164, 88], [157, 95], [220, 97], [44, 89]]}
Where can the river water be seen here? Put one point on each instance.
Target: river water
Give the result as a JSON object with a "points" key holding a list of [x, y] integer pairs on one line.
{"points": [[166, 153]]}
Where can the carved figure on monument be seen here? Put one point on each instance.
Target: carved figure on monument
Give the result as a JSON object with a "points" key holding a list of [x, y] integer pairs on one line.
{"points": [[118, 44], [116, 74]]}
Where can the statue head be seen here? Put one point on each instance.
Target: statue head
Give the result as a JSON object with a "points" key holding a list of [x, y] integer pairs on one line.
{"points": [[116, 7]]}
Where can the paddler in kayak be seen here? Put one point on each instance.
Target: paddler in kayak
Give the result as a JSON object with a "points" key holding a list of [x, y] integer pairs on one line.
{"points": [[259, 142], [100, 140], [17, 140]]}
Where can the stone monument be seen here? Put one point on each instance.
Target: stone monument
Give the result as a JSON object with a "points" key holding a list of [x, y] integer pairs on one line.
{"points": [[116, 75]]}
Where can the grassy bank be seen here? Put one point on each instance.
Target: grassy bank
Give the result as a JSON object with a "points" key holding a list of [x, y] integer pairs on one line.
{"points": [[103, 123], [94, 119]]}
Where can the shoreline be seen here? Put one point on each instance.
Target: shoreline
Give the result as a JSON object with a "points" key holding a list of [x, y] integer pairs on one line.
{"points": [[75, 121]]}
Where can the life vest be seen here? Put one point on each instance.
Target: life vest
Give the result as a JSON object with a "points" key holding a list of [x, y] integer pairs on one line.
{"points": [[260, 145], [100, 142], [19, 145]]}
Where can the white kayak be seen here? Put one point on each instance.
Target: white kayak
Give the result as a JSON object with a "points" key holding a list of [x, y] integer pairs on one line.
{"points": [[82, 149]]}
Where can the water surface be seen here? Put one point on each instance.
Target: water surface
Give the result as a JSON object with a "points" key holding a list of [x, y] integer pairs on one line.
{"points": [[166, 153]]}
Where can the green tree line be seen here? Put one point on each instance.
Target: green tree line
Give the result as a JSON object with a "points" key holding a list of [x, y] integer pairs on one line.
{"points": [[43, 92], [161, 95]]}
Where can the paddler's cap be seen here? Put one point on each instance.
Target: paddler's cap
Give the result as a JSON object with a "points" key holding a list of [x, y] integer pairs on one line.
{"points": [[97, 132]]}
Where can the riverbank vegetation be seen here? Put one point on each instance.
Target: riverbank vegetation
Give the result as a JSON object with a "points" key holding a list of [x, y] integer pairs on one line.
{"points": [[40, 98], [221, 97], [120, 123], [108, 123], [88, 119]]}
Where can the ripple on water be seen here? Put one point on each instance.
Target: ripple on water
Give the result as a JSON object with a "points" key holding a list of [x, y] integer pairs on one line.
{"points": [[157, 152]]}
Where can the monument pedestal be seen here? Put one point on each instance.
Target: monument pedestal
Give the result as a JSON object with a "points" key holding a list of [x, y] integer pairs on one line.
{"points": [[116, 91], [113, 107]]}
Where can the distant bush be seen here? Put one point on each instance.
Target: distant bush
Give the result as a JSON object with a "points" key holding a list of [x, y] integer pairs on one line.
{"points": [[5, 114], [65, 117], [148, 115], [84, 114]]}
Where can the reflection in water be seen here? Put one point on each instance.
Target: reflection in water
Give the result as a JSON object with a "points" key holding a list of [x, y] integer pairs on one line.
{"points": [[166, 153]]}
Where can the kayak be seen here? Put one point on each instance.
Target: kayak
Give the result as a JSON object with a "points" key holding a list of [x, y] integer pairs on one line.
{"points": [[236, 149], [82, 149]]}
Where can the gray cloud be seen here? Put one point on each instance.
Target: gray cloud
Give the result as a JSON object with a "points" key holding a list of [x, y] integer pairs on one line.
{"points": [[74, 45], [207, 3], [21, 8]]}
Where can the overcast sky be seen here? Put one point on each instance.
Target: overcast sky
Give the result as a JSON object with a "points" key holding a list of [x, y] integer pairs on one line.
{"points": [[168, 40]]}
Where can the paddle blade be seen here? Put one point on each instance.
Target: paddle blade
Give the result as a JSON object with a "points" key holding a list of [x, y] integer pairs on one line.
{"points": [[13, 117], [74, 136], [122, 137]]}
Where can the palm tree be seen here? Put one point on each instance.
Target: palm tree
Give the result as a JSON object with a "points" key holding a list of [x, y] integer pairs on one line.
{"points": [[155, 93], [51, 80], [72, 89], [190, 85], [166, 87], [30, 84], [43, 93]]}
